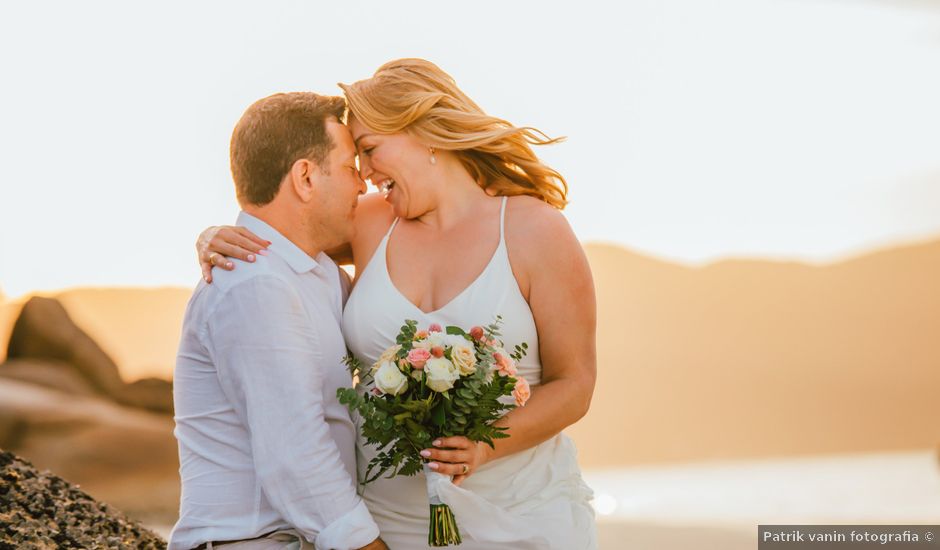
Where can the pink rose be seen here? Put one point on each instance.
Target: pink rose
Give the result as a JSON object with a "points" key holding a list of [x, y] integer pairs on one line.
{"points": [[435, 328], [521, 392], [505, 365], [418, 357], [477, 333]]}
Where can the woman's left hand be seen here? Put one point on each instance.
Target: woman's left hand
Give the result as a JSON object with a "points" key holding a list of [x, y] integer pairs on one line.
{"points": [[457, 456]]}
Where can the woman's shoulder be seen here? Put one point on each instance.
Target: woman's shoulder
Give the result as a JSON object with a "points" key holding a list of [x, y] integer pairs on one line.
{"points": [[538, 240], [533, 222]]}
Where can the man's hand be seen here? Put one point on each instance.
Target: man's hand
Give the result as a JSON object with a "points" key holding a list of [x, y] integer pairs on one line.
{"points": [[377, 544]]}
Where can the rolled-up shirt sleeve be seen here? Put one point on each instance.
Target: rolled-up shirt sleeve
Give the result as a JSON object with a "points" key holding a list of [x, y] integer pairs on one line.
{"points": [[266, 350]]}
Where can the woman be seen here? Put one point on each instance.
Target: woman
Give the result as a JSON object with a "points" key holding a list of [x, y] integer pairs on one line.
{"points": [[467, 226]]}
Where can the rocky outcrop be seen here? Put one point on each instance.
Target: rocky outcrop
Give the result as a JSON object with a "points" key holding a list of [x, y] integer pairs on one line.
{"points": [[41, 510], [44, 331], [122, 455]]}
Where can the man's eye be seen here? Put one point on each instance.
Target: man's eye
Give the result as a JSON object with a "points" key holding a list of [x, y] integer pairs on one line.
{"points": [[367, 150]]}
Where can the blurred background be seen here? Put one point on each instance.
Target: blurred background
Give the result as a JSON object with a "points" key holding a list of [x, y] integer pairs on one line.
{"points": [[756, 183]]}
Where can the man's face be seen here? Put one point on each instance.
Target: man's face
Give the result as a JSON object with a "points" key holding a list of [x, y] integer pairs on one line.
{"points": [[339, 185]]}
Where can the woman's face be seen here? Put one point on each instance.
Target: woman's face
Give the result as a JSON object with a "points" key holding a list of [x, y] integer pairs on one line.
{"points": [[398, 165]]}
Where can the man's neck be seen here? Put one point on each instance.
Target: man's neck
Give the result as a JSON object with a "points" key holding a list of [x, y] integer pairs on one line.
{"points": [[289, 223]]}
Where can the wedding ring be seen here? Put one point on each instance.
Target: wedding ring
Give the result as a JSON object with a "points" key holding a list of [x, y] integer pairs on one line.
{"points": [[465, 469], [212, 256]]}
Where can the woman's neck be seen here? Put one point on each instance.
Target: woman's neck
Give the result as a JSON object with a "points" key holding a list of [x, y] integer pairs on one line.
{"points": [[458, 197]]}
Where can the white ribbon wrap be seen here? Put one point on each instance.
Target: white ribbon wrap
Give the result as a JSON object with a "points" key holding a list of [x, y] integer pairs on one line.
{"points": [[479, 519]]}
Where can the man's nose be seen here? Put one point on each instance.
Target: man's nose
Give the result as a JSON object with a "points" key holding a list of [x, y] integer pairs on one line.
{"points": [[361, 185]]}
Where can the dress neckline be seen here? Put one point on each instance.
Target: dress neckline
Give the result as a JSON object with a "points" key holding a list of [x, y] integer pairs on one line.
{"points": [[486, 268]]}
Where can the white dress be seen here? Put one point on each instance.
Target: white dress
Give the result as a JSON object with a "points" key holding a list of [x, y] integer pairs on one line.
{"points": [[535, 498]]}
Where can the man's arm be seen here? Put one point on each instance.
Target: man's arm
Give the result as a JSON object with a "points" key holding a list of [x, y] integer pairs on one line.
{"points": [[267, 355]]}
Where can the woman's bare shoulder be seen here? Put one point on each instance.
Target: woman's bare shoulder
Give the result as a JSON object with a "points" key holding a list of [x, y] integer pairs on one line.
{"points": [[539, 240], [532, 222]]}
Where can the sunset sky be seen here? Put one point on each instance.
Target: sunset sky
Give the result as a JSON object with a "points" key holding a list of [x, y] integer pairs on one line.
{"points": [[696, 130]]}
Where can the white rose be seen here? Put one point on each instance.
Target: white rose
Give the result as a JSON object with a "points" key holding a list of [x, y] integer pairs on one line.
{"points": [[464, 356], [387, 356], [441, 374], [390, 380], [436, 339], [455, 340], [423, 344]]}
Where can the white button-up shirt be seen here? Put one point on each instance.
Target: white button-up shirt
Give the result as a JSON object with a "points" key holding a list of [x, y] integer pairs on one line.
{"points": [[264, 444]]}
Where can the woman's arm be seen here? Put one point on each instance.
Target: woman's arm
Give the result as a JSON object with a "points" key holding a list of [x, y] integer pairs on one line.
{"points": [[217, 244], [554, 274]]}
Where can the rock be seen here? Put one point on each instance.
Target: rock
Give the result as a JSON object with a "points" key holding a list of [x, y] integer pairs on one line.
{"points": [[123, 455], [48, 373], [41, 510], [45, 331]]}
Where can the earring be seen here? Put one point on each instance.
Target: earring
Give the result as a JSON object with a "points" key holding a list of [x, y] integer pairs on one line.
{"points": [[433, 158]]}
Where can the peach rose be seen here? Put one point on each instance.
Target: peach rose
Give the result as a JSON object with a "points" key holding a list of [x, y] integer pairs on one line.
{"points": [[504, 364], [418, 357], [477, 333], [521, 392], [421, 335]]}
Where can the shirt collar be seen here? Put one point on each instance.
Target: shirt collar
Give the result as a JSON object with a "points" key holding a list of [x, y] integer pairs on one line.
{"points": [[296, 258]]}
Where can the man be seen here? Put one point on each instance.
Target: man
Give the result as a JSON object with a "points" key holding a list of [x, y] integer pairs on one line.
{"points": [[267, 453]]}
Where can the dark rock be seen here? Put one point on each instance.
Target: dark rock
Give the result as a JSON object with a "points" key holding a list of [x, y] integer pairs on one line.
{"points": [[41, 510], [45, 331]]}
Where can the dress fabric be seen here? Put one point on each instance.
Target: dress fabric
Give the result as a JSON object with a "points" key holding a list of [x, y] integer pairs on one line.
{"points": [[535, 498]]}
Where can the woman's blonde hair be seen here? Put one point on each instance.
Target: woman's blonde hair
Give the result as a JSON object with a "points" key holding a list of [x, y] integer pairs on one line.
{"points": [[417, 97]]}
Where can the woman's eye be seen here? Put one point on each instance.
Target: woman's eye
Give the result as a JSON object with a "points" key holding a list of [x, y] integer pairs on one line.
{"points": [[367, 150]]}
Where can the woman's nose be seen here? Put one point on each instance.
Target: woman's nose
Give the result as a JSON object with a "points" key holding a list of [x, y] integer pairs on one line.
{"points": [[365, 171]]}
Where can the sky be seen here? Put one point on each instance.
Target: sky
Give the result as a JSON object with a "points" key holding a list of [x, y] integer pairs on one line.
{"points": [[786, 129]]}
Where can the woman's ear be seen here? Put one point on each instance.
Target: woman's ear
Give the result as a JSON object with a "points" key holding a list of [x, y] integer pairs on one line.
{"points": [[303, 176]]}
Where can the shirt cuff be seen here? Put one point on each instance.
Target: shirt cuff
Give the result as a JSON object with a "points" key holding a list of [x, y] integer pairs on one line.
{"points": [[353, 530]]}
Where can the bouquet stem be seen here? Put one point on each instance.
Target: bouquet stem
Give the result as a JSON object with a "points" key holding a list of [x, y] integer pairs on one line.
{"points": [[443, 527]]}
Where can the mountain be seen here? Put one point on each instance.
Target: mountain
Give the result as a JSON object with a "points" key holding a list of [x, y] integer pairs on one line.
{"points": [[745, 358]]}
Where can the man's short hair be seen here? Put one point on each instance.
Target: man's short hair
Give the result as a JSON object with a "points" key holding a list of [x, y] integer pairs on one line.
{"points": [[273, 134]]}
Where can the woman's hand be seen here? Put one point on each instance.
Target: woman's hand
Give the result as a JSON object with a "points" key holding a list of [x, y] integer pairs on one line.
{"points": [[457, 456], [216, 245]]}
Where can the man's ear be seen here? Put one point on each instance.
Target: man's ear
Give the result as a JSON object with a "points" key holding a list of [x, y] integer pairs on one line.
{"points": [[303, 177]]}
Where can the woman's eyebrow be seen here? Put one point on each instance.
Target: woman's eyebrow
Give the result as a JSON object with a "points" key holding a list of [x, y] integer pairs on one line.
{"points": [[360, 137]]}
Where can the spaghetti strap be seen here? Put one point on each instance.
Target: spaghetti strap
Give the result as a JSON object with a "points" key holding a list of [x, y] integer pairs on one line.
{"points": [[390, 228], [502, 222]]}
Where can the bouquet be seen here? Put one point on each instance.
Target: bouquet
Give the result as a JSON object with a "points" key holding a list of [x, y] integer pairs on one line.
{"points": [[435, 382]]}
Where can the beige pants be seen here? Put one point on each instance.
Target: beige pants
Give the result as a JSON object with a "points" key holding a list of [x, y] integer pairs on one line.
{"points": [[288, 539]]}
